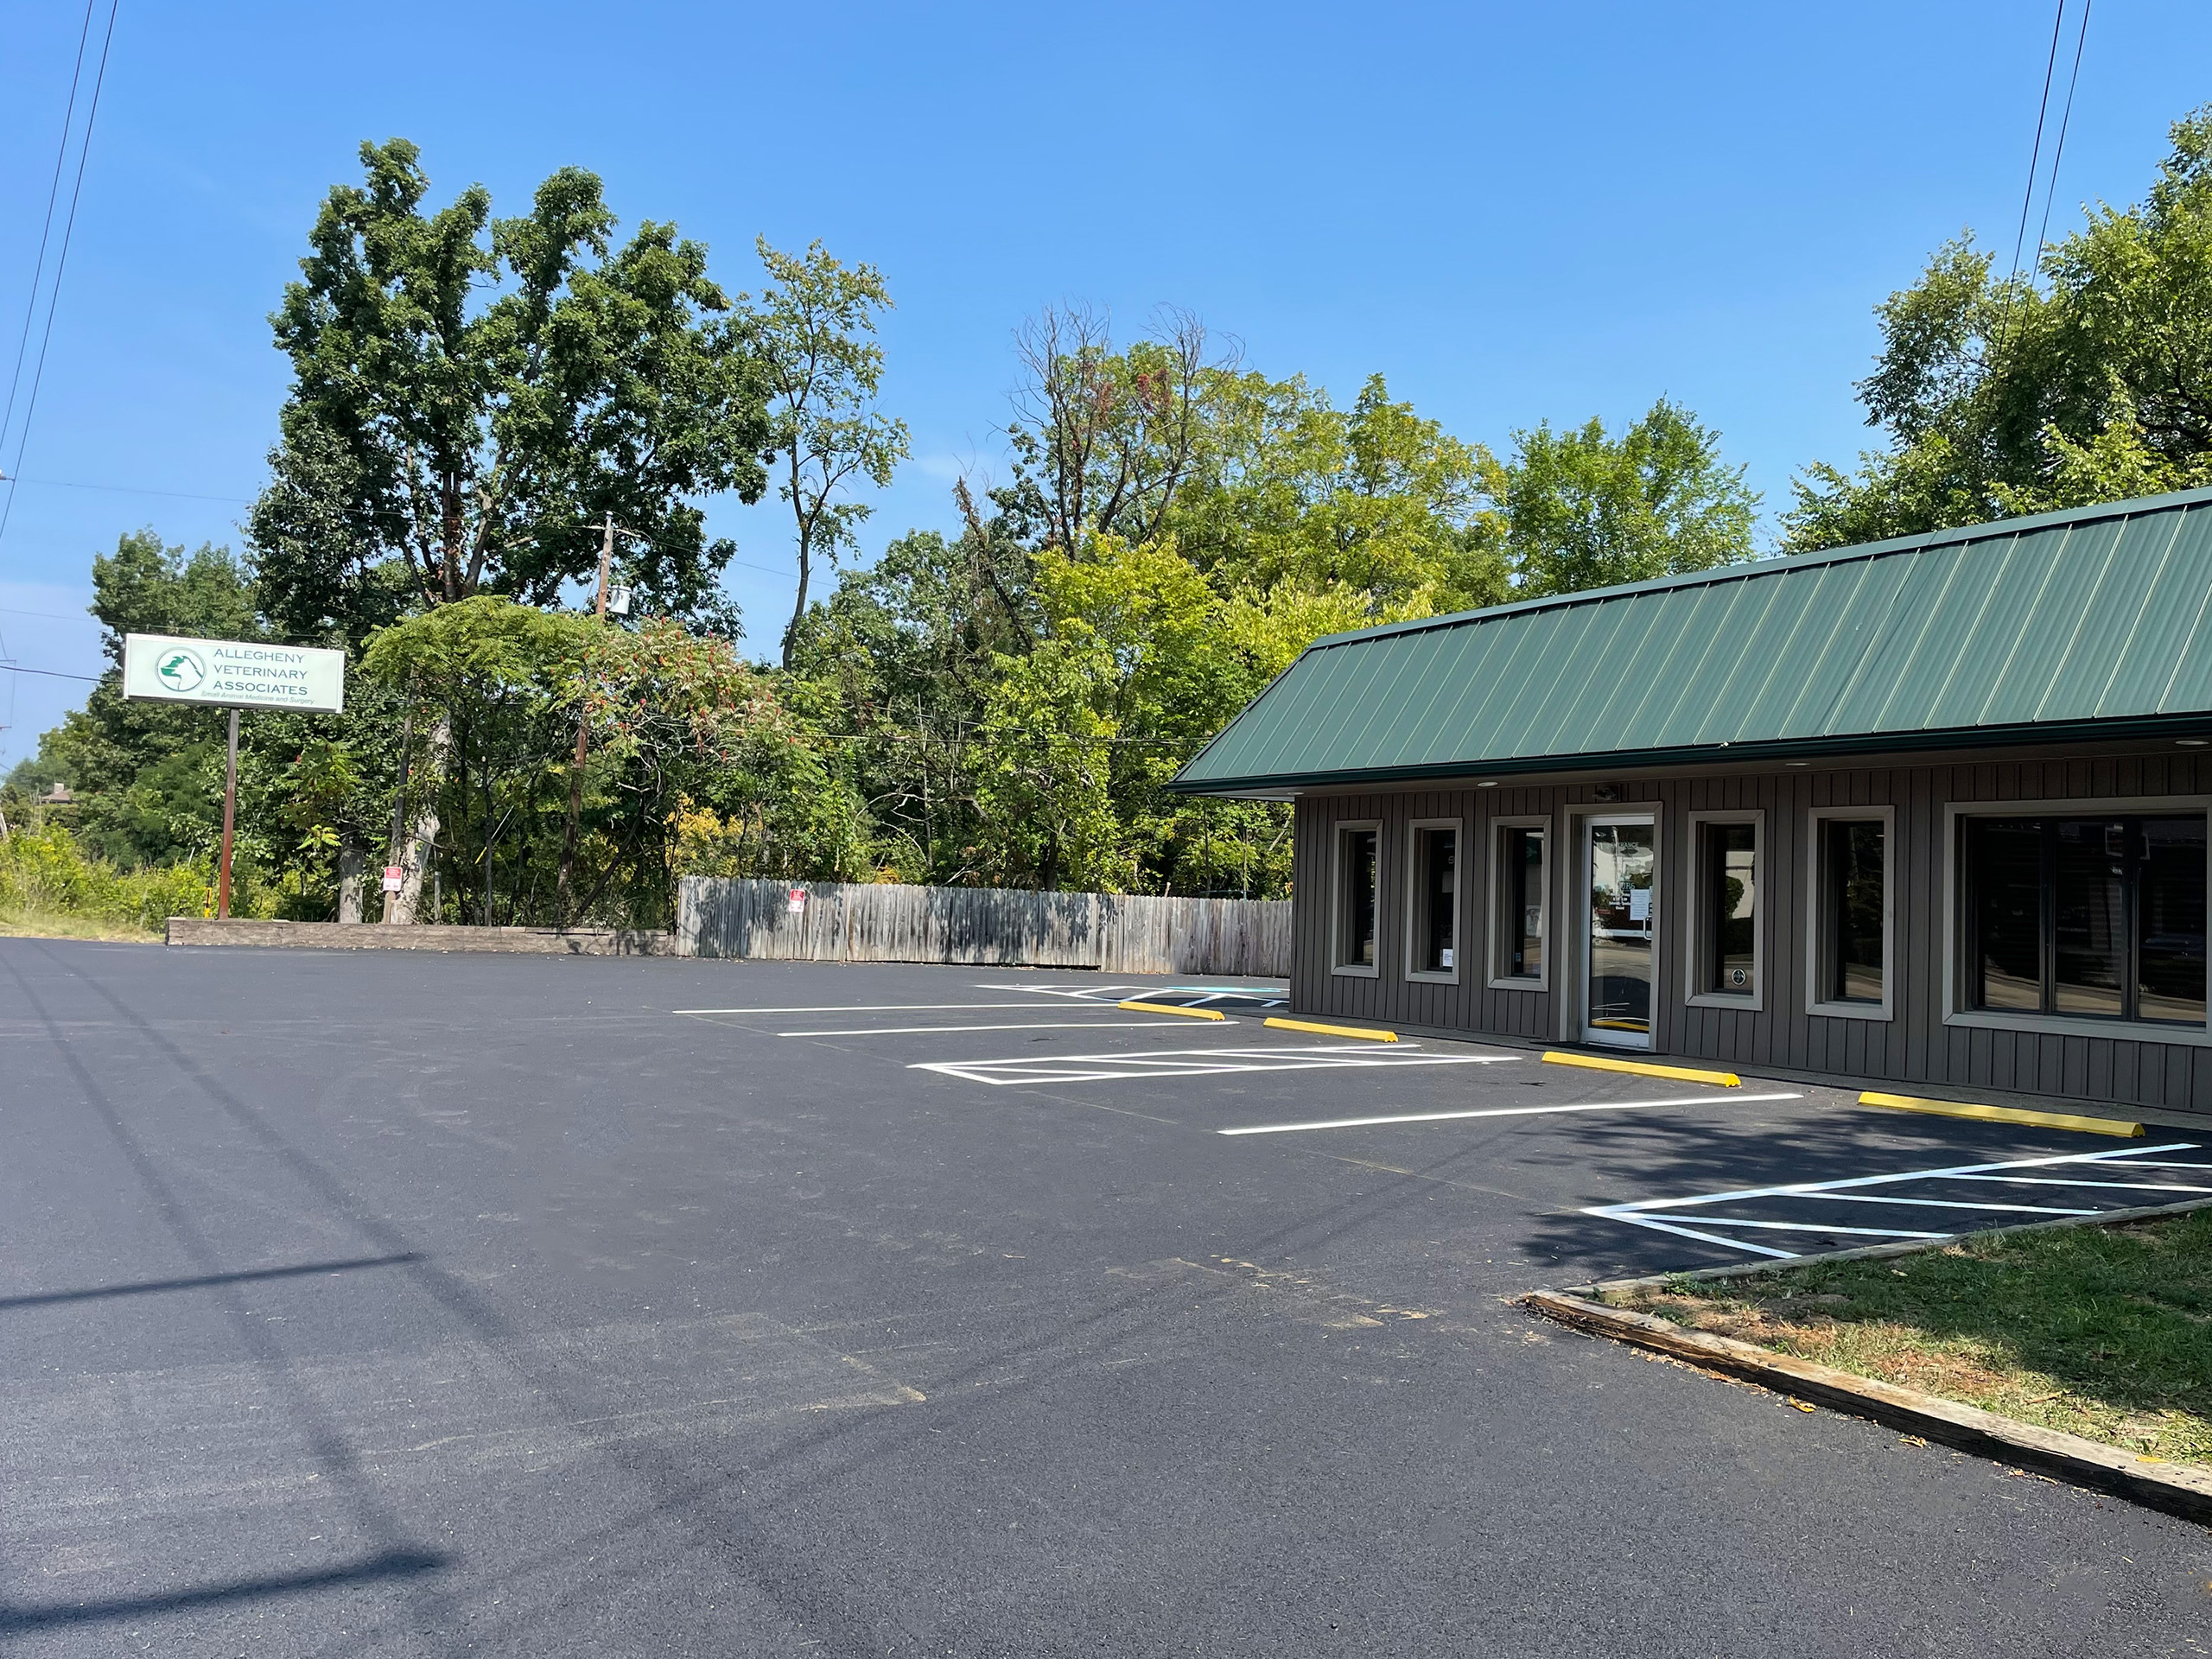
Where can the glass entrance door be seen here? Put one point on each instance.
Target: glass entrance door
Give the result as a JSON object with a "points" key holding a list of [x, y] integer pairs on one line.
{"points": [[1618, 865]]}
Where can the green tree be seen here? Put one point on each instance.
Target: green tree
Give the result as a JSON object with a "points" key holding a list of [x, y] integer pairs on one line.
{"points": [[493, 678], [1009, 705], [2000, 396], [902, 661], [674, 717], [1376, 504], [472, 397], [139, 768], [822, 368], [149, 774], [1583, 510], [1080, 735]]}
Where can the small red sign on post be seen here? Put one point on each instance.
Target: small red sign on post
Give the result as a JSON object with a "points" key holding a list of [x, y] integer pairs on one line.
{"points": [[391, 878]]}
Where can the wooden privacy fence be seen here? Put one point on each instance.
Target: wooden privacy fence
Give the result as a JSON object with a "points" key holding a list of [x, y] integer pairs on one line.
{"points": [[847, 922]]}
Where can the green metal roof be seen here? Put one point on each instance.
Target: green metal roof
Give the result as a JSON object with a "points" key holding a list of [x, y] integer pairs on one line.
{"points": [[2092, 622]]}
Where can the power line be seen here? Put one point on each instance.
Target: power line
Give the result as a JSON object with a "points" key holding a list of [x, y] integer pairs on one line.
{"points": [[248, 500], [51, 616], [133, 489], [2035, 154], [61, 260], [2058, 154], [50, 673], [38, 276], [46, 232]]}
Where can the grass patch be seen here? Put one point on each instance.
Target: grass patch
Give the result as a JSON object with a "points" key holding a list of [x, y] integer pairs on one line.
{"points": [[2105, 1332], [39, 924], [51, 888]]}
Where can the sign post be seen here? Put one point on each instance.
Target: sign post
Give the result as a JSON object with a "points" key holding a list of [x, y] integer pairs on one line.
{"points": [[229, 817], [232, 674]]}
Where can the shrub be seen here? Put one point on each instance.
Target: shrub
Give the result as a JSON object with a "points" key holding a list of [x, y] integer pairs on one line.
{"points": [[44, 869]]}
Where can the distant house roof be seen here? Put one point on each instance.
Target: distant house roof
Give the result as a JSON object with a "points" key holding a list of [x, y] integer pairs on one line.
{"points": [[2095, 622]]}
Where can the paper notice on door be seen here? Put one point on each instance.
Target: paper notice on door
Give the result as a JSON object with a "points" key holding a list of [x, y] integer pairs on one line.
{"points": [[1639, 904]]}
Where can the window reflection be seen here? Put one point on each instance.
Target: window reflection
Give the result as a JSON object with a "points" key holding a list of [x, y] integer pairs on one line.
{"points": [[1853, 856], [1356, 875], [2097, 917]]}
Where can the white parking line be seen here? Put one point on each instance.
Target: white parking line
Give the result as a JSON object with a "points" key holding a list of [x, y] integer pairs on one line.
{"points": [[2157, 1163], [1193, 1063], [1725, 1242], [2122, 1186], [1814, 1227], [1640, 1212], [1945, 1203], [2162, 1163], [860, 1007], [1191, 996], [1501, 1111], [1042, 1024]]}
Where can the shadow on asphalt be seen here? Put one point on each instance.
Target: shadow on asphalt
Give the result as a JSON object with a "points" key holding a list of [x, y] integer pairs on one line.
{"points": [[1680, 1157], [18, 1620], [206, 1280]]}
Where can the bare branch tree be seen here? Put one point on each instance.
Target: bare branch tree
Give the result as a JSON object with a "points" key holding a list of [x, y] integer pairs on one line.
{"points": [[1107, 438]]}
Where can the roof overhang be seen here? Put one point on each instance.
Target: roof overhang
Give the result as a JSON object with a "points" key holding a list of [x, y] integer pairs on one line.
{"points": [[1288, 786]]}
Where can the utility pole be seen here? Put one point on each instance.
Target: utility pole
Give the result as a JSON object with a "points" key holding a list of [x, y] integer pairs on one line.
{"points": [[230, 817], [583, 731]]}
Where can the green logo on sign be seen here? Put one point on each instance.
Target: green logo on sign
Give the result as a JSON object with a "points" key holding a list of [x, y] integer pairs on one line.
{"points": [[180, 670]]}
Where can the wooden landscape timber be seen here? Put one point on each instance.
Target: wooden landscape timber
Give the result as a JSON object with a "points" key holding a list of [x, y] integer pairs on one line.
{"points": [[2178, 1488]]}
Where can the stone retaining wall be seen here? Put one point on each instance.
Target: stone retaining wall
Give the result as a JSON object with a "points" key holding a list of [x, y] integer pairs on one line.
{"points": [[371, 936]]}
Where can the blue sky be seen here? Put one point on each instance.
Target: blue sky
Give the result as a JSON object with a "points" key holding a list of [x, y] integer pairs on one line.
{"points": [[1515, 213]]}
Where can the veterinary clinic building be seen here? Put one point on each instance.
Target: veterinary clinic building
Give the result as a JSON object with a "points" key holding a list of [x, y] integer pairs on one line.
{"points": [[1929, 811]]}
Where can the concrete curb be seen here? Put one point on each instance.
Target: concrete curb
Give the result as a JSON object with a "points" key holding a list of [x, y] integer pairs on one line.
{"points": [[1641, 1068], [371, 936], [2176, 1489], [1850, 1083], [2121, 1129], [1967, 1427]]}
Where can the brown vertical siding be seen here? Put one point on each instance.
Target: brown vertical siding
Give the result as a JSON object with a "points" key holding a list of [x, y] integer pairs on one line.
{"points": [[1916, 1046]]}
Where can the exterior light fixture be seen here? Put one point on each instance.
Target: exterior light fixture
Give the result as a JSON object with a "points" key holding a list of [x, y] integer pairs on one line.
{"points": [[2190, 742], [1486, 783]]}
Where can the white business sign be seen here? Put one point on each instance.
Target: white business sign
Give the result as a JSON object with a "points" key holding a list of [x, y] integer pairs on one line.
{"points": [[234, 673]]}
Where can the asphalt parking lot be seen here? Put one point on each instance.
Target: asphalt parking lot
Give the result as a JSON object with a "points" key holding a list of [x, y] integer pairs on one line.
{"points": [[413, 1304]]}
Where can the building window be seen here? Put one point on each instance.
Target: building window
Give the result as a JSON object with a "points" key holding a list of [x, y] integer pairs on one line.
{"points": [[1725, 925], [1519, 905], [2098, 918], [1851, 930], [1433, 940], [1356, 848]]}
